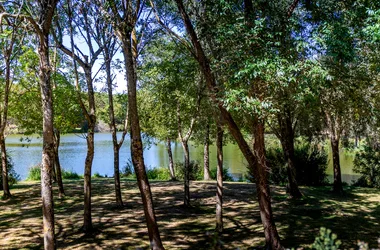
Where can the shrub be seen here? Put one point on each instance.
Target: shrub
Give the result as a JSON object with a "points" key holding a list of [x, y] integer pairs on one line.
{"points": [[97, 175], [13, 177], [69, 175], [195, 170], [160, 173], [310, 163], [326, 240], [34, 173], [367, 163], [226, 175], [128, 171]]}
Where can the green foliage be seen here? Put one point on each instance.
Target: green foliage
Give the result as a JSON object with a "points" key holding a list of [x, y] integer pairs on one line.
{"points": [[226, 175], [160, 173], [195, 170], [367, 163], [310, 163], [326, 240], [13, 177], [34, 173], [70, 175], [97, 175]]}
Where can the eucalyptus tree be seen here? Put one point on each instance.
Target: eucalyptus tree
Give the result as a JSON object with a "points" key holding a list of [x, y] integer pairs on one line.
{"points": [[124, 17], [41, 26], [110, 48], [11, 40], [90, 28]]}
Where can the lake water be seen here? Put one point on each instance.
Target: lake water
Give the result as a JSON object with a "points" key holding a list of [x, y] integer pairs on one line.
{"points": [[73, 152]]}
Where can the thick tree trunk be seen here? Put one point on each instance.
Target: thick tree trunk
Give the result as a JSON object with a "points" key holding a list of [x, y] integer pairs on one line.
{"points": [[91, 119], [287, 142], [219, 179], [171, 162], [4, 170], [47, 10], [263, 191], [136, 144], [206, 155], [186, 181], [337, 186], [57, 164]]}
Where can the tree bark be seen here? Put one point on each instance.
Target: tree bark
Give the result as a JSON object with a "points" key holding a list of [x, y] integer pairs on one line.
{"points": [[4, 164], [116, 146], [206, 155], [337, 186], [171, 162], [186, 181], [57, 164], [47, 9], [219, 178], [263, 192], [91, 119], [287, 142], [136, 143]]}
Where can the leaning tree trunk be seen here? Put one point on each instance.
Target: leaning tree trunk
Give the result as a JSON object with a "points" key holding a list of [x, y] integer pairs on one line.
{"points": [[87, 217], [57, 164], [287, 142], [136, 144], [186, 177], [4, 170], [263, 192], [206, 155], [171, 162], [219, 179], [337, 186]]}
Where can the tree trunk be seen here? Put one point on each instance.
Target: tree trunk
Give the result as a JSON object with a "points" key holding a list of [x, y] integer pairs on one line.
{"points": [[47, 10], [219, 179], [337, 186], [4, 170], [287, 141], [206, 155], [136, 144], [170, 155], [87, 218], [116, 147], [186, 155], [263, 191], [57, 141]]}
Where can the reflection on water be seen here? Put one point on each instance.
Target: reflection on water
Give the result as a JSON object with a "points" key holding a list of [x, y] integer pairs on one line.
{"points": [[73, 153]]}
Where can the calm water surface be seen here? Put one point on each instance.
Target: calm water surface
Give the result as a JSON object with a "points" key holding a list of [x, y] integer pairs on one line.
{"points": [[73, 152]]}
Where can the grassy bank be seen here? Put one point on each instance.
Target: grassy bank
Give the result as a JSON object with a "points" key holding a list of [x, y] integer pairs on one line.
{"points": [[354, 216]]}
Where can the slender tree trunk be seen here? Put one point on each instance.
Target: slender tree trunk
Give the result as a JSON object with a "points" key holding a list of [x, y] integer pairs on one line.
{"points": [[4, 164], [87, 217], [263, 191], [337, 186], [186, 155], [57, 141], [219, 179], [171, 162], [136, 144], [206, 155], [116, 146], [3, 119], [287, 142], [47, 10]]}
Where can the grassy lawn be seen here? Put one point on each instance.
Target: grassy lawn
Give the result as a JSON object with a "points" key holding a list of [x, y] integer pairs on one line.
{"points": [[354, 216]]}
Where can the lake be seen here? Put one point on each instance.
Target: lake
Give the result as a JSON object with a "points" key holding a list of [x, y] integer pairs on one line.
{"points": [[73, 152]]}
